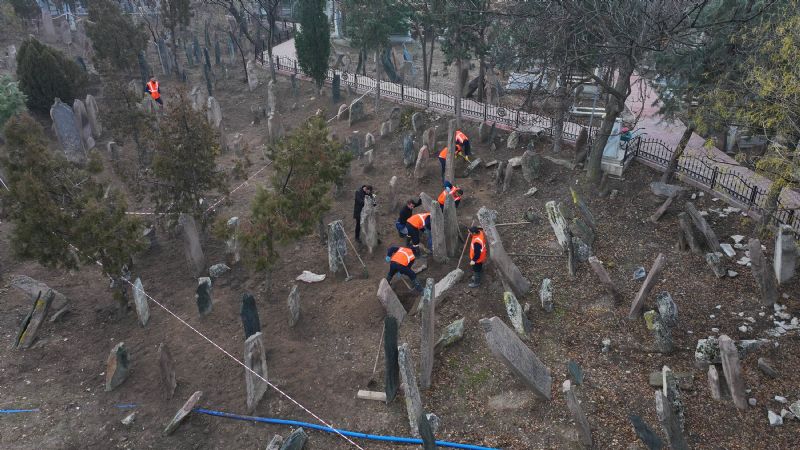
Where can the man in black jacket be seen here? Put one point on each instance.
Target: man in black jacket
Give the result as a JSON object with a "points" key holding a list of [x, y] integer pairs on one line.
{"points": [[361, 195], [405, 213]]}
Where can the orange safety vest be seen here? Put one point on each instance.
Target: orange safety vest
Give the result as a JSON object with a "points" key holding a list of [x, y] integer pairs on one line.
{"points": [[418, 220], [443, 153], [453, 192], [461, 137], [481, 239], [152, 86], [403, 256]]}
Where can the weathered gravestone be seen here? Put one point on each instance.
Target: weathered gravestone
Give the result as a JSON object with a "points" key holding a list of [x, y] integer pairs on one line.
{"points": [[429, 139], [604, 277], [203, 296], [369, 225], [426, 433], [647, 286], [293, 302], [438, 237], [92, 114], [451, 235], [662, 334], [701, 224], [183, 413], [167, 370], [390, 301], [733, 371], [762, 273], [232, 243], [419, 167], [546, 295], [337, 246], [214, 113], [519, 284], [191, 244], [531, 163], [272, 99], [513, 140], [667, 308], [670, 422], [30, 325], [509, 348], [275, 443], [410, 388], [68, 133], [785, 254], [140, 300], [713, 260], [369, 140], [385, 129], [428, 319], [252, 76], [446, 283], [517, 316], [249, 315], [584, 429], [558, 223], [296, 440], [343, 113], [255, 361], [357, 112], [34, 289], [391, 380], [416, 122], [47, 24], [394, 118], [336, 89], [117, 366], [408, 150], [650, 439], [82, 122], [452, 334]]}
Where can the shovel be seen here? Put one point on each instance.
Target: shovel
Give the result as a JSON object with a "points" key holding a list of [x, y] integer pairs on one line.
{"points": [[348, 277]]}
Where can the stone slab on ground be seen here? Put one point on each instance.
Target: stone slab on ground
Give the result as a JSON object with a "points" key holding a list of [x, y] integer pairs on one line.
{"points": [[166, 368], [391, 304], [117, 366], [410, 388], [183, 413], [255, 360]]}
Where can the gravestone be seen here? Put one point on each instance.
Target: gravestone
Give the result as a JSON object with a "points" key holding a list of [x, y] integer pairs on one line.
{"points": [[167, 370], [249, 314], [217, 53], [509, 348], [647, 286], [713, 261], [394, 118], [410, 388], [272, 99], [650, 439], [68, 132], [113, 151], [408, 150], [92, 113], [189, 56], [513, 140], [255, 360], [762, 273], [81, 63], [732, 370], [426, 433], [47, 24], [183, 413], [584, 429], [558, 223], [714, 385], [385, 129], [252, 76], [451, 235], [419, 167], [117, 366], [531, 163], [357, 113], [140, 300], [203, 296], [369, 226], [34, 289], [391, 380], [428, 319], [369, 140], [82, 122], [662, 334], [30, 325], [507, 175], [546, 295], [296, 440], [701, 224], [294, 306], [785, 254], [416, 122], [369, 159], [452, 334], [429, 139], [497, 253], [149, 105], [336, 89], [438, 237], [214, 113], [163, 57], [517, 316], [670, 422], [342, 114], [337, 246], [191, 244], [483, 132], [447, 282], [232, 243]]}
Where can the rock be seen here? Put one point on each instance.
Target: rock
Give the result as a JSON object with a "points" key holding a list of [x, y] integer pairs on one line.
{"points": [[452, 334], [752, 402], [546, 295], [727, 249], [294, 306], [128, 420], [513, 140], [517, 317], [140, 300], [639, 273], [167, 370], [531, 192], [558, 223], [295, 441], [508, 348], [785, 261], [255, 359], [780, 399], [775, 420], [795, 409], [117, 366], [585, 430], [357, 113], [252, 76], [446, 283], [68, 132], [713, 261], [342, 114], [665, 190], [217, 270], [645, 433], [667, 309], [182, 413], [203, 296], [275, 443], [310, 277], [732, 273], [30, 325], [249, 315], [410, 389], [391, 304], [575, 372], [765, 367]]}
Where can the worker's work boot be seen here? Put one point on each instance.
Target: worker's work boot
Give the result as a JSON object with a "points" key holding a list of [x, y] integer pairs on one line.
{"points": [[476, 280]]}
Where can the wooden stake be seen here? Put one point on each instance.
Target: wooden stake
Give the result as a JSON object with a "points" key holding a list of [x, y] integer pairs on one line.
{"points": [[511, 223], [466, 242]]}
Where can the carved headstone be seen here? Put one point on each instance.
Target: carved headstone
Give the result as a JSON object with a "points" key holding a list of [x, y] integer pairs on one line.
{"points": [[167, 369], [410, 388], [140, 300], [785, 254], [117, 366], [428, 319], [294, 306], [68, 132], [762, 273], [513, 140], [255, 359], [497, 254], [191, 244], [203, 296], [249, 314]]}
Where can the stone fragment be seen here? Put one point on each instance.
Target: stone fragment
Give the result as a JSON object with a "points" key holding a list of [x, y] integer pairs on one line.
{"points": [[275, 443], [509, 348], [444, 285], [704, 227], [391, 380], [667, 308], [763, 274], [785, 261], [452, 334], [558, 223], [140, 300], [733, 371], [575, 372], [516, 315], [294, 306], [357, 113], [650, 439], [255, 361], [410, 388], [391, 304], [296, 440], [117, 366], [182, 413], [665, 190], [191, 244], [203, 296], [497, 254], [513, 140], [647, 286], [129, 419], [531, 192], [795, 409], [775, 420], [167, 370], [249, 314], [765, 367], [310, 277], [428, 320], [546, 295], [584, 429], [727, 249], [713, 261]]}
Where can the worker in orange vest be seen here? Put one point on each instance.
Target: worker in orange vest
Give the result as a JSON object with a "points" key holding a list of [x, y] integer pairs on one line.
{"points": [[401, 259], [462, 143], [478, 252], [418, 224], [154, 90], [443, 157], [449, 189]]}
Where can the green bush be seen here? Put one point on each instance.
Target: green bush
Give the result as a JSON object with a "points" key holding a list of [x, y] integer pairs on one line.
{"points": [[12, 100], [45, 73]]}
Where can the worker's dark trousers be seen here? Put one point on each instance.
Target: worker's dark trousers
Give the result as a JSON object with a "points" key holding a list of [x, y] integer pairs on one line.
{"points": [[443, 163], [415, 236], [477, 268], [405, 270], [358, 229]]}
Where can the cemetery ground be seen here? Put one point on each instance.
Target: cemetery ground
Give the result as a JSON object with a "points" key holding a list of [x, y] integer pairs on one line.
{"points": [[329, 354]]}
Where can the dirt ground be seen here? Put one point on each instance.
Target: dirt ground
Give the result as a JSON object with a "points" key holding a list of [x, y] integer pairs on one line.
{"points": [[329, 354]]}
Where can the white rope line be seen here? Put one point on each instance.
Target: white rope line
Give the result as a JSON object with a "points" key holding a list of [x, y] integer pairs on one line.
{"points": [[348, 106]]}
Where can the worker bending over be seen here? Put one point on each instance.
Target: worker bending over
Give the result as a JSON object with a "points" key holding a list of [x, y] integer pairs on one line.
{"points": [[443, 156], [401, 259], [418, 224], [462, 143], [406, 212], [451, 190], [478, 251]]}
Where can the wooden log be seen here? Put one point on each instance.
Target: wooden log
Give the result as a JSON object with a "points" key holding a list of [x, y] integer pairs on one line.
{"points": [[688, 233], [602, 274], [704, 227], [647, 286], [661, 209]]}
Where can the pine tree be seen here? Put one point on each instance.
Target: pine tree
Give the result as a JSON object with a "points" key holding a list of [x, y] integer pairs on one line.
{"points": [[313, 42], [115, 38], [44, 73], [12, 100]]}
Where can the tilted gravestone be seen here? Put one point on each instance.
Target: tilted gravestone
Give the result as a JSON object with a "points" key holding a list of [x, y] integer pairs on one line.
{"points": [[232, 243], [68, 133], [447, 282], [519, 284], [293, 302], [430, 139], [140, 300], [30, 326], [422, 158], [390, 302], [732, 369], [391, 380], [428, 319], [167, 370], [416, 122], [369, 226], [252, 76], [337, 246], [82, 121], [509, 348], [650, 439], [249, 314], [183, 413], [670, 423], [584, 429], [451, 234], [765, 278], [394, 118], [410, 388], [667, 308], [117, 366], [255, 360], [516, 315], [92, 113], [191, 244], [203, 296], [408, 150], [34, 289]]}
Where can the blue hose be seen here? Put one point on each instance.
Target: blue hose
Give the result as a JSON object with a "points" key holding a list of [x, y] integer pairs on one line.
{"points": [[374, 437], [17, 411]]}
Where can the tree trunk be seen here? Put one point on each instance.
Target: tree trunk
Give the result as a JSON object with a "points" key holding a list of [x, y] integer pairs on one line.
{"points": [[378, 74], [672, 166], [242, 55], [270, 43], [423, 37], [614, 106], [430, 59], [481, 78], [561, 112], [457, 94]]}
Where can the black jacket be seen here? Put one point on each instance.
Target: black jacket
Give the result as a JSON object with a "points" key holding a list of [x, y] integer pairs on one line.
{"points": [[407, 212], [358, 205]]}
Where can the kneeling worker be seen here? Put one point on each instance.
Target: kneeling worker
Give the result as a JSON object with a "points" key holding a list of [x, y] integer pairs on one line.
{"points": [[462, 143], [401, 259], [478, 251], [418, 224], [459, 152], [449, 189]]}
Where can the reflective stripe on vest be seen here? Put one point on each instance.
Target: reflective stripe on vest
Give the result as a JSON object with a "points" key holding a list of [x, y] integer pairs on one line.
{"points": [[152, 87], [403, 256], [453, 192], [479, 238], [418, 220], [461, 137]]}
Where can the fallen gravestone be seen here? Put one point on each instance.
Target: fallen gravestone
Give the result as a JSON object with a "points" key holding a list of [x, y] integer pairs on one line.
{"points": [[647, 286], [140, 300], [36, 288], [497, 254], [182, 413], [255, 361], [452, 334], [294, 306], [391, 380], [167, 369], [30, 325], [446, 283], [508, 348], [761, 272], [117, 366], [203, 296], [410, 388], [249, 315]]}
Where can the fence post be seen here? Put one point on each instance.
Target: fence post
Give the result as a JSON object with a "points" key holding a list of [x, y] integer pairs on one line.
{"points": [[517, 120], [427, 98], [295, 67], [355, 81], [402, 93], [378, 86], [485, 111], [714, 177], [753, 195]]}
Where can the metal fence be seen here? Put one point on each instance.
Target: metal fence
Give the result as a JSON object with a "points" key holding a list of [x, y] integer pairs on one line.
{"points": [[700, 170]]}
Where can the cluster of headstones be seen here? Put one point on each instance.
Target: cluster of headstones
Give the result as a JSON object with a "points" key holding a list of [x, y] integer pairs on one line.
{"points": [[76, 127]]}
